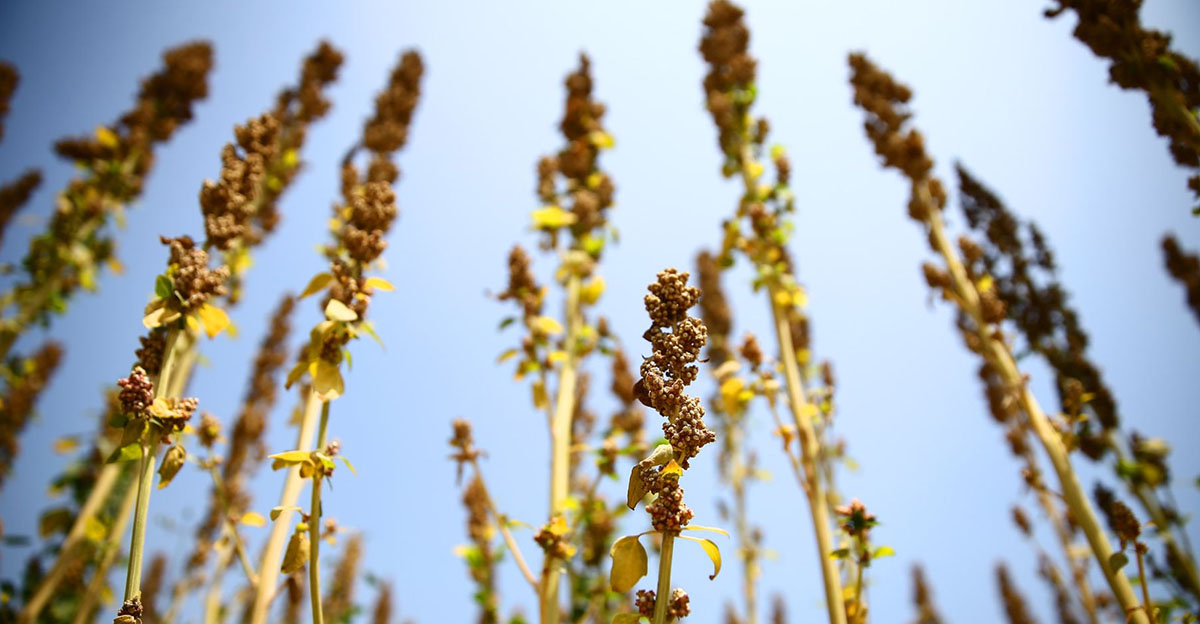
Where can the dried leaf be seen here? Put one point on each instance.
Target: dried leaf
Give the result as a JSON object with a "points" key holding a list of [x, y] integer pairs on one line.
{"points": [[629, 563], [710, 549]]}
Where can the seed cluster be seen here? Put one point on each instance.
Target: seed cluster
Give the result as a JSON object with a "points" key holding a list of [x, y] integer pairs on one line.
{"points": [[1185, 268], [668, 512], [714, 308], [1025, 284], [195, 283], [589, 191], [522, 284], [9, 77], [19, 399], [14, 195], [137, 393], [679, 605], [230, 204], [1142, 59], [672, 366], [729, 83]]}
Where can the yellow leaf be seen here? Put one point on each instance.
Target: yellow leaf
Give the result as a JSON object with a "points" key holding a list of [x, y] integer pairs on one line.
{"points": [[337, 311], [556, 357], [591, 291], [107, 138], [551, 218], [697, 527], [637, 488], [291, 158], [296, 373], [541, 400], [253, 519], [629, 563], [672, 468], [94, 529], [710, 549], [558, 526], [985, 283], [782, 298], [328, 382], [593, 180], [317, 284], [378, 283], [507, 355], [601, 139], [65, 445], [115, 266], [297, 553], [547, 325], [156, 313], [627, 618], [215, 319], [756, 169]]}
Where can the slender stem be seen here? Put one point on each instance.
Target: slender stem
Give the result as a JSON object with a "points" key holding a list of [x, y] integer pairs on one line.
{"points": [[137, 541], [560, 441], [797, 469], [737, 476], [663, 596], [95, 587], [860, 605], [1147, 605], [231, 526], [809, 448], [212, 602], [998, 354], [502, 522], [268, 569], [314, 528]]}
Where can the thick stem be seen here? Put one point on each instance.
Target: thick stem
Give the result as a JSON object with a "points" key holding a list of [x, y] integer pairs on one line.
{"points": [[996, 352], [314, 529], [662, 597], [268, 569], [137, 540], [809, 448], [95, 587], [560, 441]]}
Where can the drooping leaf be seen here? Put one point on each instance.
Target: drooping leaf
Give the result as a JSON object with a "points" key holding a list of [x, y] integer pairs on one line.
{"points": [[328, 382], [276, 511], [317, 284], [710, 549], [287, 459], [883, 551], [637, 488], [697, 527], [349, 465], [215, 319], [629, 563]]}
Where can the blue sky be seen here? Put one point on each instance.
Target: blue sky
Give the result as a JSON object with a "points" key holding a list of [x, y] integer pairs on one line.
{"points": [[1024, 105]]}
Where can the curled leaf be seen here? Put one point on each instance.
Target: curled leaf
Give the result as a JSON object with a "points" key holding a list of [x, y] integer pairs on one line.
{"points": [[629, 563], [173, 460], [297, 553], [710, 549], [696, 527], [276, 511]]}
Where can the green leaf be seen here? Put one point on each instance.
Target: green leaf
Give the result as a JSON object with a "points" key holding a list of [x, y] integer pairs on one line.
{"points": [[508, 320], [710, 549], [840, 553], [349, 465], [1117, 561], [129, 452], [629, 563], [627, 618], [163, 286]]}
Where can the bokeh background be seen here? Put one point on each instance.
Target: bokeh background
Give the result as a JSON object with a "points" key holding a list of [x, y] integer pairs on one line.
{"points": [[1023, 104]]}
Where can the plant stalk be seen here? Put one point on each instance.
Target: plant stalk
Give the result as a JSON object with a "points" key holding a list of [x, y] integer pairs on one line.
{"points": [[314, 528], [560, 441], [663, 596], [268, 569], [809, 448], [502, 522]]}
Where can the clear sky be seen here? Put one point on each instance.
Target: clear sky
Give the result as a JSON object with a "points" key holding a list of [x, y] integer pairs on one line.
{"points": [[1023, 104]]}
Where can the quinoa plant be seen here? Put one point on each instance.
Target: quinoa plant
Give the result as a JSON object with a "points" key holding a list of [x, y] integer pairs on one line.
{"points": [[760, 232], [981, 311], [1142, 59], [676, 339], [78, 242], [576, 195], [358, 227], [1018, 257]]}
